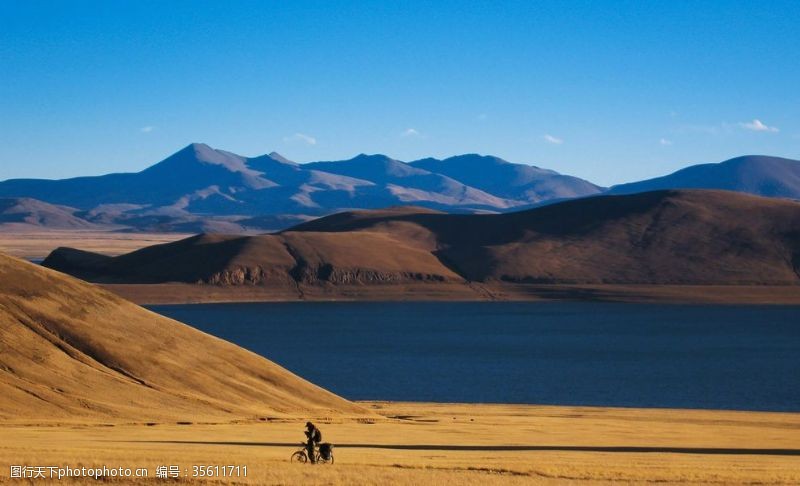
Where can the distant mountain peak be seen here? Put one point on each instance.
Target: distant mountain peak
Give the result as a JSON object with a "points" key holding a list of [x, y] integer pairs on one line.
{"points": [[199, 166], [486, 159], [197, 148], [199, 145], [477, 156], [373, 158], [280, 158], [202, 153], [758, 159], [474, 159]]}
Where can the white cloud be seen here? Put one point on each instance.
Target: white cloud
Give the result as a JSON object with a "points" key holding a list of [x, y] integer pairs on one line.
{"points": [[300, 138], [551, 139], [664, 141], [147, 129], [410, 132], [757, 126]]}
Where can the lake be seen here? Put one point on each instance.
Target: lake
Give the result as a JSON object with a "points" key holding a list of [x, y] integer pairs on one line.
{"points": [[676, 356]]}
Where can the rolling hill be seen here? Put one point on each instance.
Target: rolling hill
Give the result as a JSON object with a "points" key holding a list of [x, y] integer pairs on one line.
{"points": [[661, 237], [72, 351], [21, 213], [753, 174]]}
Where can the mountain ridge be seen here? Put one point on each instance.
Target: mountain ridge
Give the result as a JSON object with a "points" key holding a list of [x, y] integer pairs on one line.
{"points": [[200, 182], [513, 181]]}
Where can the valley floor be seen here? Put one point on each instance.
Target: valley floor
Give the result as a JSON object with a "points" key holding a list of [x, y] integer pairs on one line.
{"points": [[422, 443]]}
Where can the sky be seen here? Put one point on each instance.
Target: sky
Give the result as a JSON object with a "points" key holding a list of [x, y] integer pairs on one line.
{"points": [[611, 91]]}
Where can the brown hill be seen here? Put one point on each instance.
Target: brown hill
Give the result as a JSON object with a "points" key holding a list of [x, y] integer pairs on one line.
{"points": [[663, 237], [282, 260], [656, 237], [71, 351]]}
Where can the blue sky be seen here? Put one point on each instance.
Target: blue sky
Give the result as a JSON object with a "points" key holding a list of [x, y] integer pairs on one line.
{"points": [[609, 91]]}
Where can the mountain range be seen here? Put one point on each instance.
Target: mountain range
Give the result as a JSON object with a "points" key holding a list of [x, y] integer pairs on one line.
{"points": [[201, 189]]}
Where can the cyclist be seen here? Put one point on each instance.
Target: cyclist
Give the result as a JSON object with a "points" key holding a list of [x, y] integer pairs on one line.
{"points": [[313, 437]]}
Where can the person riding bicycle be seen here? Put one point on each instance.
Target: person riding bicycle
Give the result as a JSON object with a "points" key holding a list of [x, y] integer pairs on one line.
{"points": [[313, 436]]}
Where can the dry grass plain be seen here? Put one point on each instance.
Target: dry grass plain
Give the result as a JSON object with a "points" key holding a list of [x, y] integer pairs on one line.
{"points": [[36, 245], [421, 443]]}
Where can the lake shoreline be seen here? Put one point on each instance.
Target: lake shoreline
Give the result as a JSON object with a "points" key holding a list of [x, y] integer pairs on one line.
{"points": [[183, 293]]}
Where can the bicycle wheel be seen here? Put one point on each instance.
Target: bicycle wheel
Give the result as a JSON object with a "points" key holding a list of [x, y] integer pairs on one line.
{"points": [[300, 457]]}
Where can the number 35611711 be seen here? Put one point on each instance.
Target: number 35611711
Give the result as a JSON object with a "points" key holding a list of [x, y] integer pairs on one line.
{"points": [[219, 471]]}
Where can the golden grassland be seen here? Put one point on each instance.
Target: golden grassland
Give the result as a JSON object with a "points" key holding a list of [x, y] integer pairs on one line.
{"points": [[421, 443], [31, 244]]}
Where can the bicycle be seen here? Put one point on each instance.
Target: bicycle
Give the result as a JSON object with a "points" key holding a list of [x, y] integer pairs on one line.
{"points": [[323, 454]]}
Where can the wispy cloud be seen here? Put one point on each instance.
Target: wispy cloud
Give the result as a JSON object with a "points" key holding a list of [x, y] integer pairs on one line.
{"points": [[757, 126], [482, 117], [665, 142], [410, 132], [551, 139], [147, 129], [300, 138]]}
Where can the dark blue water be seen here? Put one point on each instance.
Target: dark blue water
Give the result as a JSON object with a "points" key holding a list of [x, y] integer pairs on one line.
{"points": [[726, 357]]}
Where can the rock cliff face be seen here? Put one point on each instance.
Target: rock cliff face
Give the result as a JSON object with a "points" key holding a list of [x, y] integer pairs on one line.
{"points": [[328, 274], [324, 274], [243, 275]]}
